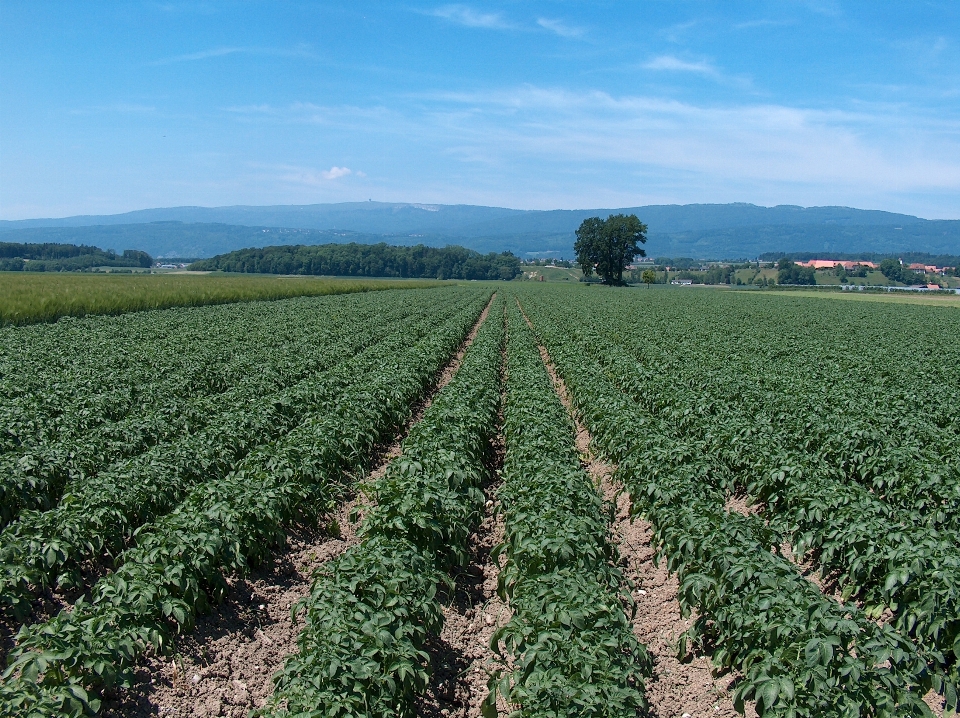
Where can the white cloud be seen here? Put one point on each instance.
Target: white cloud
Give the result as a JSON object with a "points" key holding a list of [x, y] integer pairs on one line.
{"points": [[303, 176], [559, 27], [467, 16], [671, 63], [674, 64], [551, 146], [833, 153], [335, 173], [302, 51]]}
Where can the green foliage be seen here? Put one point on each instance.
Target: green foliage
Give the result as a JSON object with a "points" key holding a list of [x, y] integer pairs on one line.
{"points": [[175, 378], [15, 257], [692, 418], [790, 273], [368, 260], [178, 565], [572, 649], [893, 270], [608, 246], [31, 297], [99, 513], [368, 616], [371, 610]]}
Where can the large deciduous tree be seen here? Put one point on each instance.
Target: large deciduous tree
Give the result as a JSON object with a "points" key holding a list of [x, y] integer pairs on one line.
{"points": [[608, 246]]}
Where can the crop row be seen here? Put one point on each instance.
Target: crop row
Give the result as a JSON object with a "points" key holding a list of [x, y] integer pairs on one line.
{"points": [[903, 468], [838, 384], [371, 610], [800, 652], [34, 478], [870, 550], [179, 564], [569, 647], [102, 512], [73, 377]]}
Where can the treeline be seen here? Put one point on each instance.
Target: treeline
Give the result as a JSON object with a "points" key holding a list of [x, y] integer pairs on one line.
{"points": [[50, 257], [367, 260]]}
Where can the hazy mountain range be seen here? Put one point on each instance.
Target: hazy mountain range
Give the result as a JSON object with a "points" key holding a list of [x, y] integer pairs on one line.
{"points": [[702, 231]]}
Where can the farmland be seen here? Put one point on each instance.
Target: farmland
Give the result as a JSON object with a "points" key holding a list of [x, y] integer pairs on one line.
{"points": [[31, 297], [451, 473]]}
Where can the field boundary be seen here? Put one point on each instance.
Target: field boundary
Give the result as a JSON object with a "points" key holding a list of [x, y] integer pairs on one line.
{"points": [[38, 298]]}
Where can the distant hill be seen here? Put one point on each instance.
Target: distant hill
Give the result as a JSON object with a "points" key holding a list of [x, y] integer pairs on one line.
{"points": [[703, 231]]}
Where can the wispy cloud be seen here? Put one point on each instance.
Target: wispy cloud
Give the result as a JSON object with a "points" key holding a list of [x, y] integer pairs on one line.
{"points": [[559, 27], [671, 63], [675, 64], [467, 16], [303, 51], [349, 117], [764, 149], [306, 176], [129, 108], [764, 22]]}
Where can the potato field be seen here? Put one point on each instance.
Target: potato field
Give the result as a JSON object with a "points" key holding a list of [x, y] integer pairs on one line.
{"points": [[484, 499]]}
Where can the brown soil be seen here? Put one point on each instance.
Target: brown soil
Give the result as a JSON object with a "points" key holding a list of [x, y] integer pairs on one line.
{"points": [[739, 504], [461, 656], [225, 666], [677, 689]]}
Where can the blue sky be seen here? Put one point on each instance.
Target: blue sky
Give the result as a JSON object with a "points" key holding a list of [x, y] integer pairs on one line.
{"points": [[112, 106]]}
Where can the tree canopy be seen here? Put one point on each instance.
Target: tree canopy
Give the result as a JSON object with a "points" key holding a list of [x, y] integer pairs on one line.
{"points": [[896, 272], [792, 273], [608, 246], [368, 260], [56, 257]]}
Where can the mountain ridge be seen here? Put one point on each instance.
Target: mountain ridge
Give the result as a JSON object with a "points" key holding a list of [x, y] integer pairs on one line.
{"points": [[703, 231]]}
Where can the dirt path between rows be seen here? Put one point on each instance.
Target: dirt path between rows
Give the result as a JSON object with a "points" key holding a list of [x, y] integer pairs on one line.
{"points": [[461, 656], [225, 666], [677, 689]]}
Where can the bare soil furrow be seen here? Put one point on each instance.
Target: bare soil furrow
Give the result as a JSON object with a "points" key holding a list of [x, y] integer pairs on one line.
{"points": [[678, 689], [225, 666], [461, 656]]}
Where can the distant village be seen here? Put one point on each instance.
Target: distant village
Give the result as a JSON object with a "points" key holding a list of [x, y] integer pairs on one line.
{"points": [[856, 274]]}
